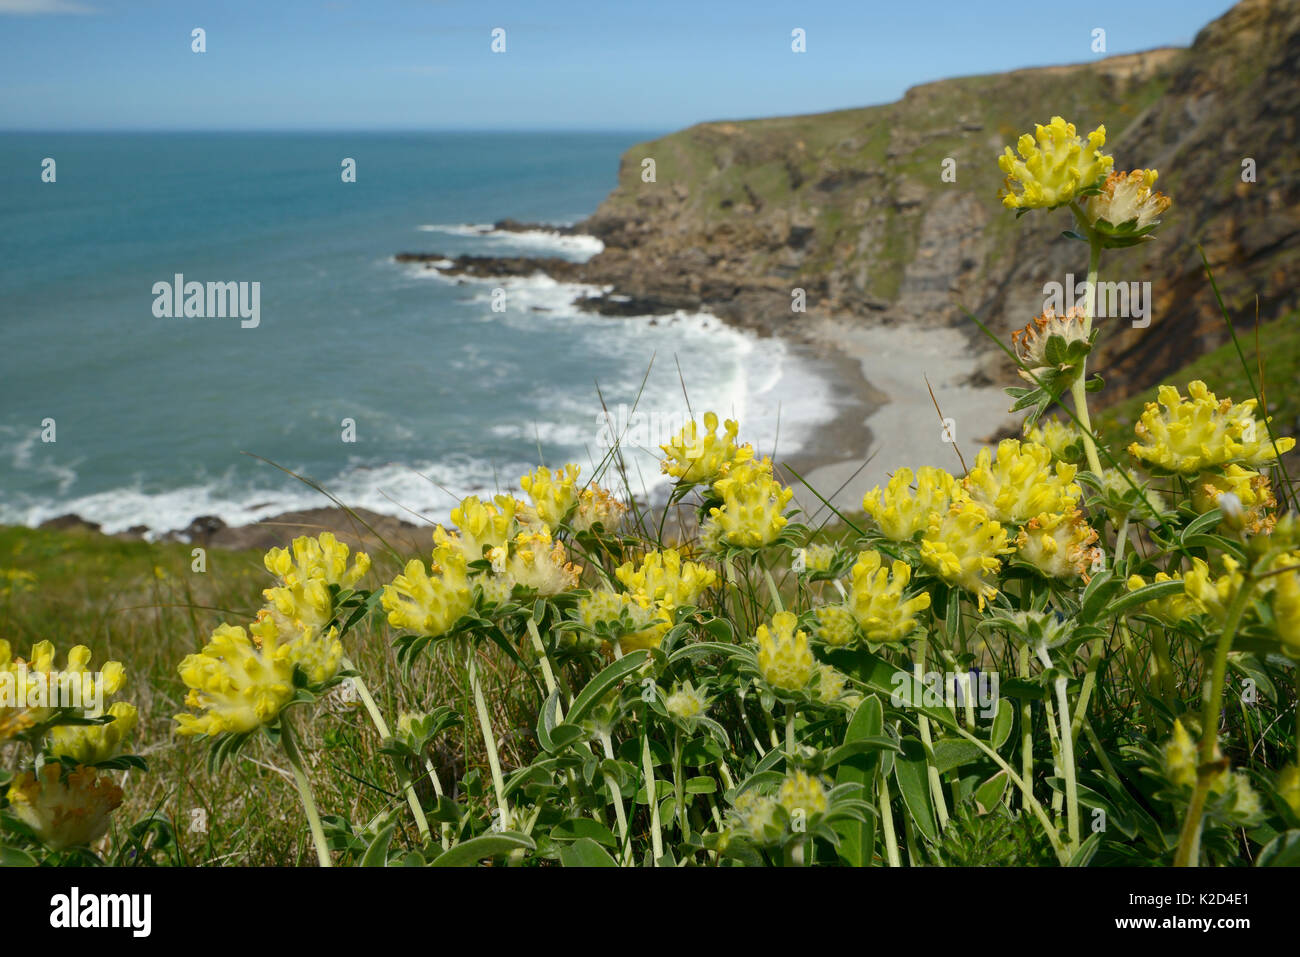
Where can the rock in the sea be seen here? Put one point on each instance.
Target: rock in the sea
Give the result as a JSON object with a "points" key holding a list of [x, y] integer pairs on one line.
{"points": [[69, 522]]}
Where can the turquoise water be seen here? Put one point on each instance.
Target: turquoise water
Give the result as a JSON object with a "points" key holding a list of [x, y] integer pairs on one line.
{"points": [[448, 397]]}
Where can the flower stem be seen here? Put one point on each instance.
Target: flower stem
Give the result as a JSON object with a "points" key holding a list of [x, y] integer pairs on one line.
{"points": [[1189, 842], [652, 796], [620, 816], [403, 776], [1078, 388], [485, 725], [1067, 751], [887, 823], [304, 792]]}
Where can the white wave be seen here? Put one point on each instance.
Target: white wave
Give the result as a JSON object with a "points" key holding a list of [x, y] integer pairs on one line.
{"points": [[574, 246]]}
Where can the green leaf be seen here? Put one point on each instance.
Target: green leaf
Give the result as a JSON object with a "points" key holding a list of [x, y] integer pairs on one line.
{"points": [[600, 685], [1282, 851], [585, 853], [469, 853], [584, 829], [988, 794], [1086, 851], [857, 843], [952, 753], [910, 775], [1002, 723], [377, 853], [1142, 595]]}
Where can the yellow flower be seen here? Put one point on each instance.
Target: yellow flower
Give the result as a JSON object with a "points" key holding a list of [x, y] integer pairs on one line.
{"points": [[93, 743], [242, 680], [1171, 610], [899, 514], [831, 685], [1059, 544], [324, 558], [819, 558], [1030, 342], [685, 702], [34, 690], [876, 599], [1061, 438], [304, 604], [1126, 197], [784, 656], [1180, 757], [553, 495], [538, 563], [836, 625], [1201, 432], [752, 503], [1054, 165], [64, 811], [755, 817], [663, 575], [1213, 595], [802, 792], [693, 458], [963, 546], [1251, 488], [1022, 483], [480, 526], [1286, 608], [597, 506], [429, 603], [641, 622]]}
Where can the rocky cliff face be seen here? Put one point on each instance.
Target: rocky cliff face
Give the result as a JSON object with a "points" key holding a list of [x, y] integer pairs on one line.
{"points": [[852, 206]]}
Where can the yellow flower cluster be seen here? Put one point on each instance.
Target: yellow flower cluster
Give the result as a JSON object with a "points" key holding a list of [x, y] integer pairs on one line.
{"points": [[645, 621], [244, 679], [303, 599], [1053, 166], [480, 526], [694, 458], [429, 602], [1059, 544], [1252, 490], [836, 625], [1061, 438], [596, 506], [664, 576], [785, 658], [1191, 434], [899, 514], [803, 792], [685, 702], [1022, 483], [93, 743], [64, 809], [35, 689], [324, 558], [876, 599], [964, 545], [1213, 595], [553, 495], [752, 505], [1286, 608]]}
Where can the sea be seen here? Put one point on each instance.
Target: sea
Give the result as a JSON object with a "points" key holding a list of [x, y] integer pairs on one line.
{"points": [[390, 386]]}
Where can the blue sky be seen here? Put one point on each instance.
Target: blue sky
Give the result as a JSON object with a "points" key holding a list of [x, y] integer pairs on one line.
{"points": [[615, 64]]}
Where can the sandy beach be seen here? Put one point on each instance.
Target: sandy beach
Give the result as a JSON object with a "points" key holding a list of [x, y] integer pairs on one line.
{"points": [[902, 426]]}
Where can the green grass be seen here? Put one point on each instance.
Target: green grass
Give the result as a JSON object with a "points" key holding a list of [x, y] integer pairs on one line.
{"points": [[142, 604]]}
